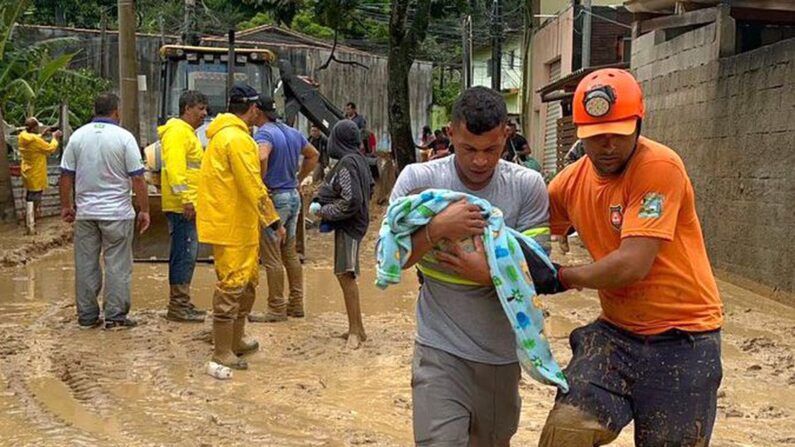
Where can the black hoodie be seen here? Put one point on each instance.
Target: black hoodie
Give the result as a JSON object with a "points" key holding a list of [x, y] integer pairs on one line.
{"points": [[345, 195]]}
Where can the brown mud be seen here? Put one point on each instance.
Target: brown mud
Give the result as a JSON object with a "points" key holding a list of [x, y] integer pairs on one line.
{"points": [[63, 386], [17, 248]]}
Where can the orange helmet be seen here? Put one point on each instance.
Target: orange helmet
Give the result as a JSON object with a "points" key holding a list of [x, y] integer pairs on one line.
{"points": [[607, 101]]}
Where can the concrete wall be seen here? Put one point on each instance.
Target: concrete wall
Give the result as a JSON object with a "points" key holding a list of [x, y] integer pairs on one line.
{"points": [[732, 120], [552, 42]]}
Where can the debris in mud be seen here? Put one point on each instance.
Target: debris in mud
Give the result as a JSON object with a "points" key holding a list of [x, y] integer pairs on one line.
{"points": [[11, 345], [771, 412], [734, 413], [757, 344], [754, 368]]}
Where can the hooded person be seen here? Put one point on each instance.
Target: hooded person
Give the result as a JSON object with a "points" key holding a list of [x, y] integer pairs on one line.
{"points": [[342, 205], [232, 204]]}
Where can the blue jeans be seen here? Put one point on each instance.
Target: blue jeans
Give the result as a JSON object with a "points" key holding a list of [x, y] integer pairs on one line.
{"points": [[184, 248], [288, 205]]}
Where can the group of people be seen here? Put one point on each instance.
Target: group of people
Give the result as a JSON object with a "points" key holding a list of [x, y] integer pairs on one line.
{"points": [[241, 196], [437, 144], [652, 356]]}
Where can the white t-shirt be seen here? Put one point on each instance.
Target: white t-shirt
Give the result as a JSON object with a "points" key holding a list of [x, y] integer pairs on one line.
{"points": [[103, 156]]}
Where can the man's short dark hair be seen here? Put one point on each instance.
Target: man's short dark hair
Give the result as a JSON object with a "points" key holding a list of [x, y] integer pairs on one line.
{"points": [[481, 109], [191, 98], [239, 108], [351, 105], [105, 104]]}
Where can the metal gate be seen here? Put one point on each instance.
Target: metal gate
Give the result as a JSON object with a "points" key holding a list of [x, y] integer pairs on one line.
{"points": [[551, 125]]}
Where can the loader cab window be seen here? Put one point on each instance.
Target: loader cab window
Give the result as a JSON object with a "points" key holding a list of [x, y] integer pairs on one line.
{"points": [[207, 74]]}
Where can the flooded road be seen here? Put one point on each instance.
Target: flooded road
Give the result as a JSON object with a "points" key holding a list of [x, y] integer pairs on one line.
{"points": [[63, 386]]}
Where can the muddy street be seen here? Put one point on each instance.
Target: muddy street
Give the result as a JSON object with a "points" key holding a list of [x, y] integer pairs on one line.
{"points": [[63, 386]]}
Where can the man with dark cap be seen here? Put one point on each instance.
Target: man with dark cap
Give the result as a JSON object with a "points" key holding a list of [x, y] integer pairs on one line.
{"points": [[342, 205], [232, 204], [280, 149]]}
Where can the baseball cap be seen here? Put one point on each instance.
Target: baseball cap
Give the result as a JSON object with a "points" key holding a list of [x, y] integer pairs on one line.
{"points": [[243, 93], [268, 107]]}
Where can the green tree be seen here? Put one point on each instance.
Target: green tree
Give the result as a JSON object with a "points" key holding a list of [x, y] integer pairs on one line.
{"points": [[404, 40], [25, 73]]}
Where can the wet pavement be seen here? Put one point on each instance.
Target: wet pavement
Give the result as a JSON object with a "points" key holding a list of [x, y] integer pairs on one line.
{"points": [[63, 386]]}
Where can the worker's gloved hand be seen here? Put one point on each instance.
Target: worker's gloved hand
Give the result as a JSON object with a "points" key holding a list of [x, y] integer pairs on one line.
{"points": [[314, 208], [545, 275]]}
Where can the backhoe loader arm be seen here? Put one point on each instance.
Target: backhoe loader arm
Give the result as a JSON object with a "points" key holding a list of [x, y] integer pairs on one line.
{"points": [[300, 95]]}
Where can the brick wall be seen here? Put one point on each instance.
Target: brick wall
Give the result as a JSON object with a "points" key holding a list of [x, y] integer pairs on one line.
{"points": [[733, 122]]}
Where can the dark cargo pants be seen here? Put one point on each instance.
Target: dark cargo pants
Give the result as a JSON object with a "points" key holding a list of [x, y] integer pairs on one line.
{"points": [[666, 383]]}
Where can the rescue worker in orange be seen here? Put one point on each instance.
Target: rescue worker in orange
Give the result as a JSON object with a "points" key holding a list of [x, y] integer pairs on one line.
{"points": [[653, 355], [232, 204], [34, 150], [182, 156]]}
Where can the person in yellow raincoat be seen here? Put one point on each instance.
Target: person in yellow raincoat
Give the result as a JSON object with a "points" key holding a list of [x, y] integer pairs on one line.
{"points": [[34, 150], [182, 155], [231, 206]]}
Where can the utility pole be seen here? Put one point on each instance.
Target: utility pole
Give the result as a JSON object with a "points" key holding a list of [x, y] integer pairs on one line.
{"points": [[103, 45], [187, 37], [496, 45], [230, 65], [466, 53], [586, 34], [127, 67]]}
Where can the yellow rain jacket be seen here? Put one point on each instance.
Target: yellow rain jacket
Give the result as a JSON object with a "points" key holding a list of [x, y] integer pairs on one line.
{"points": [[232, 200], [34, 151], [181, 152]]}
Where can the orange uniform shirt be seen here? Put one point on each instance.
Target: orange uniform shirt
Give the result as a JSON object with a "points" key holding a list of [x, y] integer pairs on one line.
{"points": [[654, 198]]}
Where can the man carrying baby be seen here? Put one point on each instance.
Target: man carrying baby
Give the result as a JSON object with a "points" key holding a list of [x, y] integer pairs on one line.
{"points": [[465, 374]]}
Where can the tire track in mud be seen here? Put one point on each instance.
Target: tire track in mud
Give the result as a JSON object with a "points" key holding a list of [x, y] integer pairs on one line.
{"points": [[24, 361]]}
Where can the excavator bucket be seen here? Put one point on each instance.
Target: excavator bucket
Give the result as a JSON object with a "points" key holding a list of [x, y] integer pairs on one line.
{"points": [[154, 245]]}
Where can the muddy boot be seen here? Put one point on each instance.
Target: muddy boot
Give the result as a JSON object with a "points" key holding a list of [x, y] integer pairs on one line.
{"points": [[179, 305], [295, 276], [240, 343], [223, 334], [266, 318]]}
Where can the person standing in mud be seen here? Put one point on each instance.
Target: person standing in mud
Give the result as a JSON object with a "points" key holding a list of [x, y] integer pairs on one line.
{"points": [[280, 149], [653, 356], [465, 375], [101, 162], [34, 150], [342, 203], [232, 203], [182, 156]]}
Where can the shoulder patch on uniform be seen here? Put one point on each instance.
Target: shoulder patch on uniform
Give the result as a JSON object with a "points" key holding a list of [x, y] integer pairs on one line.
{"points": [[652, 206]]}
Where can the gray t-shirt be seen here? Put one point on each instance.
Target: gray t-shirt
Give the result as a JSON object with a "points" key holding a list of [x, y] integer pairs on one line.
{"points": [[468, 321], [103, 156]]}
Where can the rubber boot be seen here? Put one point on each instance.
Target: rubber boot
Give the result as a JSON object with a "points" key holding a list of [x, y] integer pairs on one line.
{"points": [[223, 335], [241, 344], [30, 217], [274, 270], [179, 306]]}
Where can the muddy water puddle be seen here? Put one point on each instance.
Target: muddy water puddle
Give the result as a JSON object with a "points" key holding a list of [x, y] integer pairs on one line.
{"points": [[63, 386]]}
